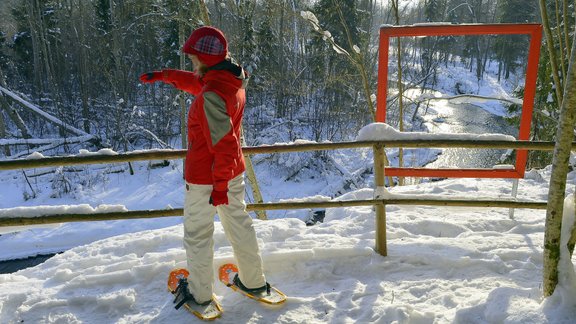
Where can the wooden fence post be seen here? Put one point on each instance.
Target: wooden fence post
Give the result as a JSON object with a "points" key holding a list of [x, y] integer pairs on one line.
{"points": [[380, 208], [251, 176]]}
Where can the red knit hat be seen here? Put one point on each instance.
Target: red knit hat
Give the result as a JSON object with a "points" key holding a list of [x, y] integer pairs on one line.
{"points": [[208, 43]]}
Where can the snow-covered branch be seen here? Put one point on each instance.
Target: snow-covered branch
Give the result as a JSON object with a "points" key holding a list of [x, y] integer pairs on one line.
{"points": [[38, 211], [37, 110], [326, 35], [465, 98], [42, 141], [50, 144]]}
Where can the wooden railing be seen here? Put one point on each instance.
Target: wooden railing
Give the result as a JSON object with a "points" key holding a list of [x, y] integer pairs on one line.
{"points": [[265, 149], [379, 180]]}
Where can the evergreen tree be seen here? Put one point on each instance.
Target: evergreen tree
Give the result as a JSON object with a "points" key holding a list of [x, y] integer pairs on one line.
{"points": [[3, 52], [266, 58], [22, 46], [103, 17], [434, 10], [510, 49]]}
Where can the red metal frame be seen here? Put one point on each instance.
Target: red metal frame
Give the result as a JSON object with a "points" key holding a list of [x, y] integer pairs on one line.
{"points": [[535, 33]]}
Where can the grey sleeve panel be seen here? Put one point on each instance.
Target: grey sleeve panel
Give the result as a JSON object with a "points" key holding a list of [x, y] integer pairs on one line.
{"points": [[216, 116]]}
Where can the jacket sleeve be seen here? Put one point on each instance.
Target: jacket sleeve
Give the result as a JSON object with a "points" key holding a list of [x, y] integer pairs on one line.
{"points": [[183, 80], [221, 139]]}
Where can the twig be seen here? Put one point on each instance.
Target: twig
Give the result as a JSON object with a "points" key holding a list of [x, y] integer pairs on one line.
{"points": [[31, 189]]}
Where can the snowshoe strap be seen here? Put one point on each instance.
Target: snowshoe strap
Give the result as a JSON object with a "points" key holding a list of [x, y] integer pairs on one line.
{"points": [[181, 294]]}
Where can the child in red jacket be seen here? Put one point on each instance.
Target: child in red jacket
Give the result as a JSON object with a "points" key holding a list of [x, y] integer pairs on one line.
{"points": [[214, 166]]}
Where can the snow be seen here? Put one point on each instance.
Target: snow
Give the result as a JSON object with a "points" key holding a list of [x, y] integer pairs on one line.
{"points": [[383, 131], [311, 18], [440, 23], [100, 152], [58, 210], [444, 265], [35, 156], [316, 198]]}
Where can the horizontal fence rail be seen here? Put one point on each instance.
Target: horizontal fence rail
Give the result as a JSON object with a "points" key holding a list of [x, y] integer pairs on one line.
{"points": [[136, 214], [266, 149]]}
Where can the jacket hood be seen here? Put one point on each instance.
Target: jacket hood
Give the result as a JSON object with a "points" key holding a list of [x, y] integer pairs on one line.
{"points": [[234, 74]]}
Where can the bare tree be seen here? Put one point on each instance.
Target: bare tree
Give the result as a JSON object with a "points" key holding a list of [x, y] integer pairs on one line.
{"points": [[12, 114], [551, 51], [554, 212], [395, 8]]}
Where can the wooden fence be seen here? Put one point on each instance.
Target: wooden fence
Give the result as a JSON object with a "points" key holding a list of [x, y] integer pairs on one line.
{"points": [[379, 203]]}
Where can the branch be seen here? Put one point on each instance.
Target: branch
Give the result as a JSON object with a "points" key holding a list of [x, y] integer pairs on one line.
{"points": [[311, 18], [51, 146], [37, 110]]}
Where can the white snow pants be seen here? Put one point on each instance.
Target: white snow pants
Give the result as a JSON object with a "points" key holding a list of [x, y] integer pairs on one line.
{"points": [[199, 242]]}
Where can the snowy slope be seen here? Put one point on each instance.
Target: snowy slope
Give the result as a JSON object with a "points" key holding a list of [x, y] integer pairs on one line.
{"points": [[444, 265]]}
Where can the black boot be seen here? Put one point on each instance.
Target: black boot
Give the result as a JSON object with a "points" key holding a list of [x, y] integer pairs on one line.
{"points": [[183, 295], [253, 291]]}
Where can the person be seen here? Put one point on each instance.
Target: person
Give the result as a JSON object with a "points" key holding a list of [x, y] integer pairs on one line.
{"points": [[214, 166]]}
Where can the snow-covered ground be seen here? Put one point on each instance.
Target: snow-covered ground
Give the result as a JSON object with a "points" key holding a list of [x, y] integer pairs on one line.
{"points": [[444, 265]]}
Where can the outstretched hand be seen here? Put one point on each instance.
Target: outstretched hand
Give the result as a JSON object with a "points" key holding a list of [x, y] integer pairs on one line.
{"points": [[151, 77]]}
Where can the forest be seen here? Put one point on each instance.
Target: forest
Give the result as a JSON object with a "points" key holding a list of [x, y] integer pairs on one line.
{"points": [[313, 66]]}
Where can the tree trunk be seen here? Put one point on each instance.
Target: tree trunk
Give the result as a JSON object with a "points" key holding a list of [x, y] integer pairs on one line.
{"points": [[181, 101], [205, 13], [83, 69], [400, 90], [566, 23], [564, 137], [3, 134], [13, 114], [560, 40]]}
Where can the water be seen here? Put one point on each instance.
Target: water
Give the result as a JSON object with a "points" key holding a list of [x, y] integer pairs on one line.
{"points": [[10, 266], [471, 119]]}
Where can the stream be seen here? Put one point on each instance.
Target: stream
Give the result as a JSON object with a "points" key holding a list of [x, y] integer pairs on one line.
{"points": [[471, 119], [10, 266]]}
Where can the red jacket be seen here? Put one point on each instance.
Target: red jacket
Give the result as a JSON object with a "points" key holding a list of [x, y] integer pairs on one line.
{"points": [[214, 152]]}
